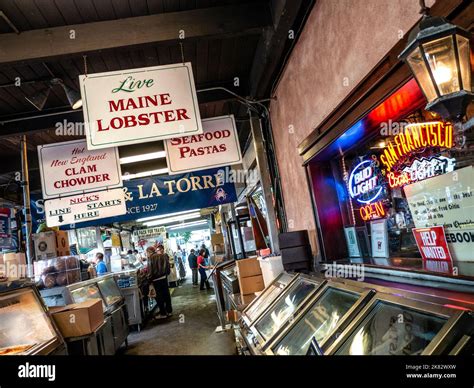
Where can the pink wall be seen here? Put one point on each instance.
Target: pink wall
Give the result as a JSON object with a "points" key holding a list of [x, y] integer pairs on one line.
{"points": [[340, 43]]}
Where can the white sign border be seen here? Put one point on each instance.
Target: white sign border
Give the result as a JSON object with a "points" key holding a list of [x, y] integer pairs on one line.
{"points": [[81, 191], [236, 136], [85, 110]]}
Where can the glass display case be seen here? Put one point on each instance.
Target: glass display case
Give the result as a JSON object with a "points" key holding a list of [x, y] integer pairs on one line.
{"points": [[57, 272], [109, 290], [26, 327], [268, 295], [391, 325], [328, 311], [285, 307]]}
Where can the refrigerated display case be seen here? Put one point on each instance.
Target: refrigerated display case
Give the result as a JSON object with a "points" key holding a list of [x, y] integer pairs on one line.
{"points": [[127, 281], [255, 309], [113, 303], [284, 308], [324, 318], [391, 325], [26, 327]]}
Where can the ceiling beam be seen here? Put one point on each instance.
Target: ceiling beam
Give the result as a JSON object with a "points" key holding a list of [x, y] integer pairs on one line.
{"points": [[275, 42], [45, 44]]}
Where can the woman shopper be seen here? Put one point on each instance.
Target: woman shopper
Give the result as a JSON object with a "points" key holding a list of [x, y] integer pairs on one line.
{"points": [[159, 269], [202, 266]]}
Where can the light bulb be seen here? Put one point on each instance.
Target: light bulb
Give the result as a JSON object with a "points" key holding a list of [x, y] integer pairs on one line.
{"points": [[442, 74]]}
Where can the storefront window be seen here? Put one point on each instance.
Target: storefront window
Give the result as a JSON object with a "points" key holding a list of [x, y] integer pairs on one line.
{"points": [[405, 197]]}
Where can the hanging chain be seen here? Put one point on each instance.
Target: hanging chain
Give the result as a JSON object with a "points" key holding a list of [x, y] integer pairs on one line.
{"points": [[85, 64], [182, 51], [424, 10]]}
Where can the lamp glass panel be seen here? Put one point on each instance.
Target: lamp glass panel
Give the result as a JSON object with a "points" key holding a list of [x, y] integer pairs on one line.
{"points": [[464, 61], [440, 56], [418, 68]]}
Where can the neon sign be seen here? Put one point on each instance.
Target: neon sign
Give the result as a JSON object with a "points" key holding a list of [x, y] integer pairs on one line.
{"points": [[417, 136], [363, 182], [421, 169], [372, 211]]}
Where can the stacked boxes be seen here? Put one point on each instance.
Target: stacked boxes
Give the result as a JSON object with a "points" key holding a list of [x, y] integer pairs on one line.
{"points": [[295, 251], [250, 279]]}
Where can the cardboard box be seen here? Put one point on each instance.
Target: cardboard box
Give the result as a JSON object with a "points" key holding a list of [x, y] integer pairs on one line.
{"points": [[248, 267], [232, 316], [45, 245], [246, 299], [78, 319], [251, 284], [217, 239], [62, 243]]}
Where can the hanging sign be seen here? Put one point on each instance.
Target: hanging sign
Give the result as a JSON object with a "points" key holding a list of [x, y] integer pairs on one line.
{"points": [[421, 168], [447, 200], [149, 232], [158, 195], [217, 146], [139, 105], [69, 168], [364, 182], [84, 207], [434, 249], [415, 137]]}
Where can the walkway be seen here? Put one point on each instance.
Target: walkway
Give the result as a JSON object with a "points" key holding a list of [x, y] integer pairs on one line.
{"points": [[190, 331]]}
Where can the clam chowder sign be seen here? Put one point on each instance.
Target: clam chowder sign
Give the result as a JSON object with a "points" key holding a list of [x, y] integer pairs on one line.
{"points": [[139, 105], [69, 168]]}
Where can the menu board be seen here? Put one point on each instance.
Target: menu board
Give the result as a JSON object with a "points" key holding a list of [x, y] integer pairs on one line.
{"points": [[447, 200], [391, 329], [379, 238]]}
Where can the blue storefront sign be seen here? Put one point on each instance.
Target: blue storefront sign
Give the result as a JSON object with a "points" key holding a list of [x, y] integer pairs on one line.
{"points": [[160, 195]]}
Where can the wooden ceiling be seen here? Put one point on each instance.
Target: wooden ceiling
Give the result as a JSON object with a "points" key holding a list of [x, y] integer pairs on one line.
{"points": [[225, 41]]}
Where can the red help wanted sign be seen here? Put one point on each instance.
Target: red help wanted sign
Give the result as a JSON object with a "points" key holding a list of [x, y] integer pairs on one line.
{"points": [[434, 249], [70, 168], [217, 146], [139, 105]]}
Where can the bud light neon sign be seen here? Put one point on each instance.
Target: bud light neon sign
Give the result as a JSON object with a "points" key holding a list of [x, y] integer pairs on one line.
{"points": [[364, 185]]}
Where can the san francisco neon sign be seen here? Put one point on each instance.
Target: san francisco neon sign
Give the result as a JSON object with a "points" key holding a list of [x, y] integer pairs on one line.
{"points": [[417, 136]]}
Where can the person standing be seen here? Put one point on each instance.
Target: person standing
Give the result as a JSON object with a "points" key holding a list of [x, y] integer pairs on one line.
{"points": [[159, 269], [192, 261], [100, 266], [202, 265]]}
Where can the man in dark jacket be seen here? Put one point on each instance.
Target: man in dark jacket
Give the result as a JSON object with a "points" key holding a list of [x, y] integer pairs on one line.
{"points": [[192, 261], [159, 269]]}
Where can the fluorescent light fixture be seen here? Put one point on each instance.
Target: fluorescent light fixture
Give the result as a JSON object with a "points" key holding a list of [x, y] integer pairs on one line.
{"points": [[143, 157], [167, 215], [127, 177], [187, 224], [173, 219]]}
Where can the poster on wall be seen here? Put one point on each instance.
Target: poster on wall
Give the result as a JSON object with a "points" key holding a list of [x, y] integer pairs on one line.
{"points": [[69, 168], [379, 238], [434, 249], [84, 207], [159, 195], [352, 242], [447, 200], [217, 146], [139, 105]]}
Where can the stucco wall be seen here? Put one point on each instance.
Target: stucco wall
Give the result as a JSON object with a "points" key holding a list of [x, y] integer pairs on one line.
{"points": [[341, 42]]}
